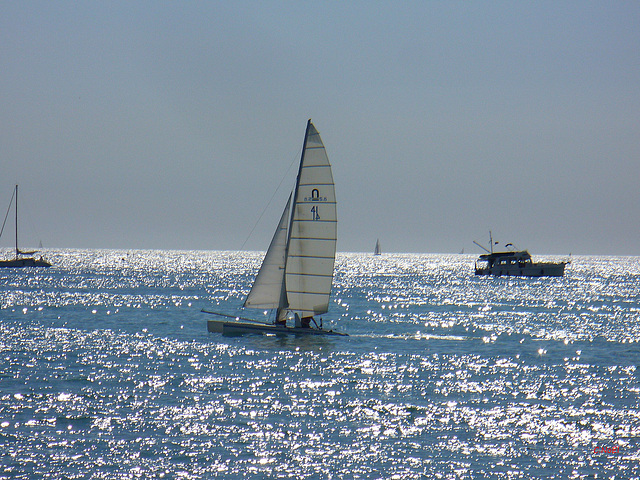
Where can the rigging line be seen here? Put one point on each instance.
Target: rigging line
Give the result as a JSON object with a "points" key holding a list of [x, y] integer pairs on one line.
{"points": [[8, 210], [268, 203]]}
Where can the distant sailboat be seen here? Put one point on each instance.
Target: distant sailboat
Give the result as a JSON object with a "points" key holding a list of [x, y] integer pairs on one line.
{"points": [[297, 271], [19, 260], [376, 250]]}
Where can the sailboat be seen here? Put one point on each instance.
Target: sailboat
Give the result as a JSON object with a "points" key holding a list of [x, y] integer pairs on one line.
{"points": [[297, 271], [20, 260], [376, 250]]}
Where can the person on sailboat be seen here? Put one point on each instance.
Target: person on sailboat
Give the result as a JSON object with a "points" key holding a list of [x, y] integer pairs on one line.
{"points": [[305, 322]]}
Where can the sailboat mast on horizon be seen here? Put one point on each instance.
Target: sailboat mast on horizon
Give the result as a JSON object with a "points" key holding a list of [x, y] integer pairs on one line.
{"points": [[19, 261], [377, 250]]}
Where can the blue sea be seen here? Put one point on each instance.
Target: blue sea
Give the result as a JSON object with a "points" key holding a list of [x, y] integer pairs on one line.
{"points": [[107, 371]]}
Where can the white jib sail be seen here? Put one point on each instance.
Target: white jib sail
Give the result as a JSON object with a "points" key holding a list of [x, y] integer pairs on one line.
{"points": [[312, 237], [267, 289]]}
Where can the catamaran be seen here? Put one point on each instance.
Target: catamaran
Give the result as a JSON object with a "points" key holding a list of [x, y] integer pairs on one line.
{"points": [[297, 271], [20, 260]]}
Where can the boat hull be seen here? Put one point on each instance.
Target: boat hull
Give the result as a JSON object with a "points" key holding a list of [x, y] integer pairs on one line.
{"points": [[24, 262], [240, 328], [532, 270]]}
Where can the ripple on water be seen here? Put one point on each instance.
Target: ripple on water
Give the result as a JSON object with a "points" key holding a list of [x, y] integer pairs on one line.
{"points": [[107, 368]]}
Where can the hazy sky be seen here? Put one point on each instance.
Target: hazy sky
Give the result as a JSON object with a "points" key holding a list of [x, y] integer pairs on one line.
{"points": [[172, 124]]}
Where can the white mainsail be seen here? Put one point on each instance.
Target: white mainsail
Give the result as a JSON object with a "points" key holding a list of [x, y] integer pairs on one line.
{"points": [[311, 249], [297, 271], [267, 290]]}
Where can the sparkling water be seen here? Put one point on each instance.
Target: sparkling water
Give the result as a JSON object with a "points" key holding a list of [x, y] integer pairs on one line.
{"points": [[108, 371]]}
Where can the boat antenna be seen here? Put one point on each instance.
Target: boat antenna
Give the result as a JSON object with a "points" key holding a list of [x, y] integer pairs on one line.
{"points": [[482, 247]]}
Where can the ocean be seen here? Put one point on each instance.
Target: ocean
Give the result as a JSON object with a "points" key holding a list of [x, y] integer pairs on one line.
{"points": [[107, 371]]}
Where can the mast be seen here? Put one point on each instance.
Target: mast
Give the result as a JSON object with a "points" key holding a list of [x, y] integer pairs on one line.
{"points": [[284, 301], [17, 250], [295, 192]]}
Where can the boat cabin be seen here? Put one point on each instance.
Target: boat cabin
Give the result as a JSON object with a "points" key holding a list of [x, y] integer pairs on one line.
{"points": [[516, 264], [520, 259]]}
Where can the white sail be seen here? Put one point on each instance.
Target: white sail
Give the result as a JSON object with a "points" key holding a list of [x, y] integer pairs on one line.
{"points": [[267, 290], [297, 272], [313, 231]]}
